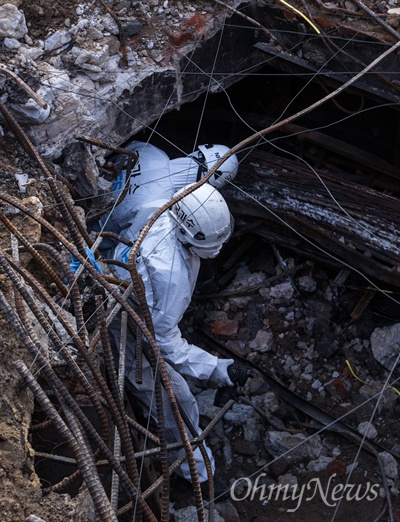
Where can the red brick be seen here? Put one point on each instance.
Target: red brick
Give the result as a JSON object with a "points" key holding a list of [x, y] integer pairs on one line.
{"points": [[227, 328]]}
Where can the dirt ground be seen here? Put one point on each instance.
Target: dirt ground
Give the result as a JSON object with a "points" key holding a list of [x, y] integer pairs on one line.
{"points": [[44, 17]]}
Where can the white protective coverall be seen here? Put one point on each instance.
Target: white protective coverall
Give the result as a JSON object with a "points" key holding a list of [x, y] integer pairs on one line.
{"points": [[154, 177], [169, 272]]}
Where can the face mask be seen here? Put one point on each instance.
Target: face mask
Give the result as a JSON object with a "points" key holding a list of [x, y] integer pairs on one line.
{"points": [[206, 253]]}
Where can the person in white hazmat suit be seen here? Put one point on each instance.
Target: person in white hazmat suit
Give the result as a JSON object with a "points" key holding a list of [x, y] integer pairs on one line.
{"points": [[155, 177], [168, 261]]}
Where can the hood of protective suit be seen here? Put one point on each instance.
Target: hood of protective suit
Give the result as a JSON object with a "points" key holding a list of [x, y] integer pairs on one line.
{"points": [[184, 171]]}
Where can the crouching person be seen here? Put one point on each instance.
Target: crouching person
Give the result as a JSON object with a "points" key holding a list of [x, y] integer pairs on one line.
{"points": [[168, 261]]}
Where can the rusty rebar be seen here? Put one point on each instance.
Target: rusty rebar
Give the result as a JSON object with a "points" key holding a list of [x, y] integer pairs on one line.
{"points": [[57, 385], [121, 33], [161, 429], [40, 259], [132, 161], [99, 379], [121, 387], [207, 463], [163, 368], [81, 454], [72, 220], [153, 451], [139, 357], [73, 289], [107, 353], [41, 426], [377, 19], [56, 310], [67, 481], [132, 471], [24, 86], [6, 262]]}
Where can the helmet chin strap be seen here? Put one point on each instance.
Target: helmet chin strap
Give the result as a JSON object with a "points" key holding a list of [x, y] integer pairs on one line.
{"points": [[201, 169], [204, 253]]}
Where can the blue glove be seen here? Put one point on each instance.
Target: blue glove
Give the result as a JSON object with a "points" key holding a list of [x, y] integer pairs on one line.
{"points": [[74, 265]]}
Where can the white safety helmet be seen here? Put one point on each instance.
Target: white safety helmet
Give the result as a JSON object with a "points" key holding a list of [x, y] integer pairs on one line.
{"points": [[226, 172], [203, 219]]}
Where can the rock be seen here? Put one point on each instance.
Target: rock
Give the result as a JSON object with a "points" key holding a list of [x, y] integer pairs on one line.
{"points": [[278, 467], [110, 25], [317, 384], [22, 180], [307, 283], [32, 112], [288, 480], [340, 387], [263, 341], [319, 464], [337, 468], [11, 43], [205, 401], [374, 389], [245, 447], [385, 344], [295, 446], [239, 414], [12, 22], [57, 40], [389, 465], [350, 469], [227, 511], [282, 291], [381, 6], [393, 20], [251, 430], [227, 451], [257, 386], [132, 27], [94, 33], [226, 328], [190, 513], [268, 401], [367, 429], [245, 279], [238, 347], [80, 169], [31, 53]]}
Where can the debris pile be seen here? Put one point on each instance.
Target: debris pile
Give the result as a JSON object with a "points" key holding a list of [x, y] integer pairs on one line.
{"points": [[106, 72], [317, 378]]}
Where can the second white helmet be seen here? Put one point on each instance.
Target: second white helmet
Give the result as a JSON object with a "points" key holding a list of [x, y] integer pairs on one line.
{"points": [[204, 220], [227, 171]]}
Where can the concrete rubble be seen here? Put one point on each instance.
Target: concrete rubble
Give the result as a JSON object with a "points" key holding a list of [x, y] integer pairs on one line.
{"points": [[94, 85]]}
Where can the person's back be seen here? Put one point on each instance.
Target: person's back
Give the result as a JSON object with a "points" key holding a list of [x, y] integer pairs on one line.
{"points": [[150, 180], [155, 177]]}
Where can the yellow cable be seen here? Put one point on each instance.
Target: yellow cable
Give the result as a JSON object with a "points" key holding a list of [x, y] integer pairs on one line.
{"points": [[352, 372], [358, 378], [302, 15]]}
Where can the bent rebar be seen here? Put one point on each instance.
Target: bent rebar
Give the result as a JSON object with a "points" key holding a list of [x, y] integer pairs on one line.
{"points": [[56, 383], [81, 454]]}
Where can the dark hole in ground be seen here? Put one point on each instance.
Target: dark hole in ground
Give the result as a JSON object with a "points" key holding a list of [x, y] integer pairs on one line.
{"points": [[260, 99]]}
